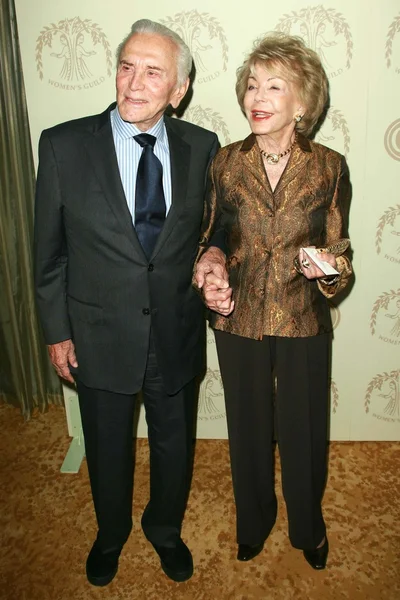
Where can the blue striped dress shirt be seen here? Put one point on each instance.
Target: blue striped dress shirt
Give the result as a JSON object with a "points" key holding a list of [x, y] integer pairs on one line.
{"points": [[129, 152]]}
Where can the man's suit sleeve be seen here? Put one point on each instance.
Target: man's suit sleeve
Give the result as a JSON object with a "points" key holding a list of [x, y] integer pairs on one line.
{"points": [[50, 251]]}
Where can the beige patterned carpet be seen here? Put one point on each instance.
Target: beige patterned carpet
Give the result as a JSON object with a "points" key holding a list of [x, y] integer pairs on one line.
{"points": [[47, 527]]}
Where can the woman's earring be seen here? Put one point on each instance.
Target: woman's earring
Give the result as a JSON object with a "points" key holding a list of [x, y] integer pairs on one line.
{"points": [[298, 118]]}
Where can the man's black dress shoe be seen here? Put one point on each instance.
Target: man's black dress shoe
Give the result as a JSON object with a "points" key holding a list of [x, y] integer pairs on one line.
{"points": [[176, 561], [317, 558], [101, 568], [246, 552]]}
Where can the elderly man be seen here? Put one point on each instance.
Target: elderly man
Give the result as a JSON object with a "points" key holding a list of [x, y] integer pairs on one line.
{"points": [[119, 205]]}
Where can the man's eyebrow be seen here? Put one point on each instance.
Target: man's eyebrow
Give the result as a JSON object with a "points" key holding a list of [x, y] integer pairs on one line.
{"points": [[129, 64]]}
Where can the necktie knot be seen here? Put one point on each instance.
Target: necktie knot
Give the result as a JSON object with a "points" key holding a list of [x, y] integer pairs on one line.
{"points": [[145, 139]]}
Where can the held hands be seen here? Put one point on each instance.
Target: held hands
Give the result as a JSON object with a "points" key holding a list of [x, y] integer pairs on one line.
{"points": [[212, 277], [60, 355], [310, 269]]}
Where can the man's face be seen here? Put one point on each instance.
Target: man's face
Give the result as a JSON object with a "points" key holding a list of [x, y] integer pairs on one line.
{"points": [[147, 79]]}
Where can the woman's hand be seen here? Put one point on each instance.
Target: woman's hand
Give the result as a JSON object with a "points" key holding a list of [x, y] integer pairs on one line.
{"points": [[218, 295], [212, 278], [310, 269]]}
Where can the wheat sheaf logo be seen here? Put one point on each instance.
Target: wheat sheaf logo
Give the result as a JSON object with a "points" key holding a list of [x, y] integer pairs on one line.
{"points": [[323, 30], [204, 35], [392, 140], [210, 397], [393, 30], [208, 118], [333, 124], [210, 336], [334, 397], [387, 401], [387, 308], [388, 222], [75, 51]]}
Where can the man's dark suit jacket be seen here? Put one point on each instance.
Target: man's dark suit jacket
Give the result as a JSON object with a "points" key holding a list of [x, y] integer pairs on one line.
{"points": [[93, 281]]}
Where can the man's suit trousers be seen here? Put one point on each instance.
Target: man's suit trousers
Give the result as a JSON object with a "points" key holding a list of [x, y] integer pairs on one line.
{"points": [[107, 420]]}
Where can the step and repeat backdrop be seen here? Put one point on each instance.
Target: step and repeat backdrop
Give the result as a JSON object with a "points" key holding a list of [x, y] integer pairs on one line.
{"points": [[68, 54]]}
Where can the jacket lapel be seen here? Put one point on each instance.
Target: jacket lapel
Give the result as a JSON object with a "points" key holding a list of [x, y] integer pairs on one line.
{"points": [[298, 160], [101, 152], [179, 152], [254, 168]]}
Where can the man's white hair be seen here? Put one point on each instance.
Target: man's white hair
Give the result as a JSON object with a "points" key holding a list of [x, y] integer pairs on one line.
{"points": [[184, 58]]}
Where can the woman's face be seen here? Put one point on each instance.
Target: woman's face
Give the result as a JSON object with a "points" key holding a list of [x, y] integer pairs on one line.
{"points": [[271, 103]]}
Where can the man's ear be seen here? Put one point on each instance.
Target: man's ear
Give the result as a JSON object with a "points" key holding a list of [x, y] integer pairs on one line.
{"points": [[179, 93]]}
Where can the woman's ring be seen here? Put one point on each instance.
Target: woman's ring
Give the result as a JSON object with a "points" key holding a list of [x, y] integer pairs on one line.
{"points": [[305, 263]]}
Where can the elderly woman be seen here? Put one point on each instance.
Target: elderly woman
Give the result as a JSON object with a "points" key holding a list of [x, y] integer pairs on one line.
{"points": [[272, 195]]}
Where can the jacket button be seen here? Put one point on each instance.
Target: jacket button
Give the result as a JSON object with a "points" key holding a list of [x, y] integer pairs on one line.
{"points": [[150, 267], [146, 311]]}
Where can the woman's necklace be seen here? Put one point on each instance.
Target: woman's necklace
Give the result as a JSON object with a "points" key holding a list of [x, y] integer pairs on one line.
{"points": [[273, 159]]}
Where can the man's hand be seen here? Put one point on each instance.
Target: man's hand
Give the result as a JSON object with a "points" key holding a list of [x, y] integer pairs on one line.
{"points": [[60, 355], [212, 261], [212, 276]]}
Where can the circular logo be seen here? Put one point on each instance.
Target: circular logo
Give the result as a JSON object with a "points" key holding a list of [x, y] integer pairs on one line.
{"points": [[392, 140], [335, 315]]}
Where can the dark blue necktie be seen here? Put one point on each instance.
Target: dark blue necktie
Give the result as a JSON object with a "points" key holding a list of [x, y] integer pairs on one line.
{"points": [[149, 199]]}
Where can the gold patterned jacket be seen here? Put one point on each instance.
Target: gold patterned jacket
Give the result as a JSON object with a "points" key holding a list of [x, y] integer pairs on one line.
{"points": [[264, 231]]}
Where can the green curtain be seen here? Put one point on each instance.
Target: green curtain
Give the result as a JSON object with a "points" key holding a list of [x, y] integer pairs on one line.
{"points": [[27, 378]]}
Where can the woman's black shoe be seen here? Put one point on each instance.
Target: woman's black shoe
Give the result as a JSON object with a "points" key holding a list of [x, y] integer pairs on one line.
{"points": [[246, 552], [317, 558]]}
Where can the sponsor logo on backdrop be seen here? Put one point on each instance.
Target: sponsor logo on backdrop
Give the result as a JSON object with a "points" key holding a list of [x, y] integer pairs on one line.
{"points": [[211, 397], [73, 54], [210, 336], [208, 118], [386, 315], [392, 140], [382, 399], [334, 397], [335, 132], [388, 231], [393, 30], [205, 37], [326, 31], [335, 314]]}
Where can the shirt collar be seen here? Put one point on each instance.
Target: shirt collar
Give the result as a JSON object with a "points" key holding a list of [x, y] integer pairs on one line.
{"points": [[126, 130]]}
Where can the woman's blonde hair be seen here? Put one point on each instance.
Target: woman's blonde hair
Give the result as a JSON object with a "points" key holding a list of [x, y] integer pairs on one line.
{"points": [[287, 56]]}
